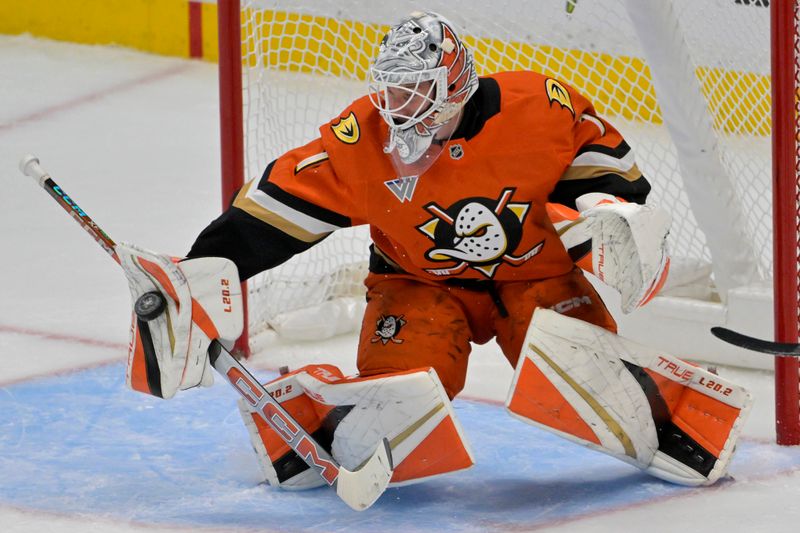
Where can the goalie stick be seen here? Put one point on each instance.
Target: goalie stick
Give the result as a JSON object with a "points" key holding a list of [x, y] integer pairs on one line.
{"points": [[359, 488], [785, 349]]}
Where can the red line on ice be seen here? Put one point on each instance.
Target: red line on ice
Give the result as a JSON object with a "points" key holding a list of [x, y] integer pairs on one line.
{"points": [[92, 97], [49, 335], [60, 337]]}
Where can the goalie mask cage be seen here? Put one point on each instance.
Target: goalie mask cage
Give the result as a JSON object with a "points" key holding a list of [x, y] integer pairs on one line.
{"points": [[687, 83]]}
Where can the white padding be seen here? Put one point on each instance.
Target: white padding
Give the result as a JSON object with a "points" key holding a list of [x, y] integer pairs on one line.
{"points": [[170, 332], [203, 303], [214, 283], [629, 245], [595, 383], [404, 408], [321, 321], [585, 364]]}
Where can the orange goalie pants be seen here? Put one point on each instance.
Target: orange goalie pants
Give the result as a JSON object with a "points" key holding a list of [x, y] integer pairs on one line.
{"points": [[411, 323]]}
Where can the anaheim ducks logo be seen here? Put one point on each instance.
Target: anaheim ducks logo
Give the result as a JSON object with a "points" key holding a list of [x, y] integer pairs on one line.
{"points": [[387, 328], [478, 233], [556, 92], [346, 130]]}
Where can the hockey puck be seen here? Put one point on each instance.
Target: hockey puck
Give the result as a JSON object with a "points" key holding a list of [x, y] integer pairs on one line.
{"points": [[149, 305], [283, 370]]}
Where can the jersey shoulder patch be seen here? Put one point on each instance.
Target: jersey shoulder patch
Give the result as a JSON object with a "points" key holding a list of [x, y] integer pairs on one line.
{"points": [[557, 92], [346, 129]]}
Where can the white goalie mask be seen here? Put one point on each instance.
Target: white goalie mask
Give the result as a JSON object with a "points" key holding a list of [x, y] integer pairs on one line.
{"points": [[419, 82]]}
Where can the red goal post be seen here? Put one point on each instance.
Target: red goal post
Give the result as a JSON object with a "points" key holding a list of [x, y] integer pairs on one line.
{"points": [[688, 83], [231, 124], [785, 21]]}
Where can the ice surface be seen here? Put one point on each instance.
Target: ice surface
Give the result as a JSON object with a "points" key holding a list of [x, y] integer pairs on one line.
{"points": [[134, 139], [84, 444]]}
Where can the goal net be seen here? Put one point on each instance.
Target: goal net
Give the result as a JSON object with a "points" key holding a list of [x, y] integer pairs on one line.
{"points": [[686, 82]]}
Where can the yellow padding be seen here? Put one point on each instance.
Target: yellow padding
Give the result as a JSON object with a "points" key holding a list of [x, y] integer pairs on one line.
{"points": [[158, 26], [210, 32]]}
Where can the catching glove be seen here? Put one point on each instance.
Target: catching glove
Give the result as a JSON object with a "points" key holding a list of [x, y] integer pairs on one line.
{"points": [[202, 301]]}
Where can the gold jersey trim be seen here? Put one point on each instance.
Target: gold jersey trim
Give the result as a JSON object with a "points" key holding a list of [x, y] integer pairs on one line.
{"points": [[246, 203]]}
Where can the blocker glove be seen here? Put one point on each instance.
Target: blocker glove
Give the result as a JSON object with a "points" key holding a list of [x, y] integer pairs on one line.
{"points": [[629, 246], [624, 244]]}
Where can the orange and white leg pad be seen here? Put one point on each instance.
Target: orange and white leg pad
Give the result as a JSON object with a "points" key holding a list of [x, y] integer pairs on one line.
{"points": [[674, 420], [350, 416]]}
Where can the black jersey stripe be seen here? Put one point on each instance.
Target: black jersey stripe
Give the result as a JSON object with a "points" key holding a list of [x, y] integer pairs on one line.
{"points": [[619, 151], [298, 204], [483, 105], [247, 241], [567, 191]]}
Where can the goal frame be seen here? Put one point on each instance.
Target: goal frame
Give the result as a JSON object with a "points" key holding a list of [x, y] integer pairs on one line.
{"points": [[785, 190], [232, 126], [786, 205]]}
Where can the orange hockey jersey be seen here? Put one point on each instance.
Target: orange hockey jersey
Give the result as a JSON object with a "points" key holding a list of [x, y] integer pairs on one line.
{"points": [[477, 213]]}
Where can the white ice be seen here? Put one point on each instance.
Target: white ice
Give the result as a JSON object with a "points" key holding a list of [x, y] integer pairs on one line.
{"points": [[134, 139]]}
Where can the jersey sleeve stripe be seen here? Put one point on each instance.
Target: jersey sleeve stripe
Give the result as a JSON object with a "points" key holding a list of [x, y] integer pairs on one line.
{"points": [[590, 172], [311, 161], [303, 207], [594, 120], [566, 191], [296, 203], [293, 223], [599, 159], [619, 151]]}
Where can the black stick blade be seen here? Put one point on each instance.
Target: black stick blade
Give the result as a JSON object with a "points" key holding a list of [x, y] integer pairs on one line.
{"points": [[756, 345]]}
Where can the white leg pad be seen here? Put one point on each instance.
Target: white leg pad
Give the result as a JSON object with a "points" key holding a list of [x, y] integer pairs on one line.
{"points": [[676, 421], [353, 415], [411, 409]]}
